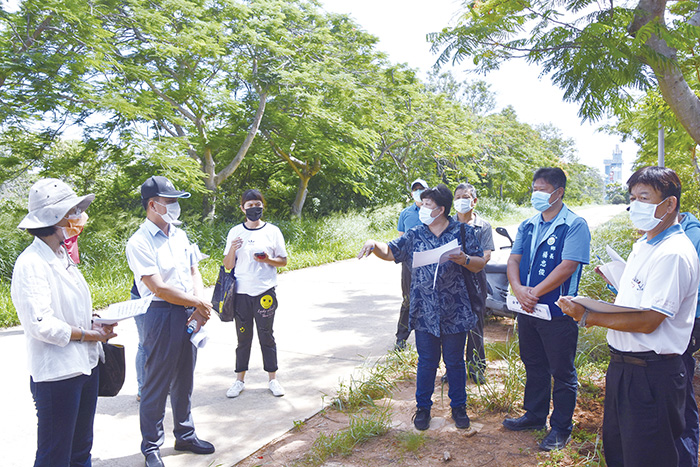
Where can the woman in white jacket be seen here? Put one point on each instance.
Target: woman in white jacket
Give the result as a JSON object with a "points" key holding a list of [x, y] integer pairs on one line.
{"points": [[54, 306]]}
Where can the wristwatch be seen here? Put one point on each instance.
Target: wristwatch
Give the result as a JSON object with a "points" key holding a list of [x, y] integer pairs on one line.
{"points": [[468, 259]]}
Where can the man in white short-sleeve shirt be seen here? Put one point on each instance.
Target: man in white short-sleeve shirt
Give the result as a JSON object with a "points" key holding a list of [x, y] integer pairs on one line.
{"points": [[164, 264], [645, 382]]}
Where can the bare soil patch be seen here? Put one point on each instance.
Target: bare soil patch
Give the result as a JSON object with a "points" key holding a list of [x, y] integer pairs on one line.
{"points": [[485, 443]]}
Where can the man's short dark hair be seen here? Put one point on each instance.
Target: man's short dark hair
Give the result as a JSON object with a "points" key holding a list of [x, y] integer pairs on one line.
{"points": [[441, 195], [662, 179], [468, 187], [551, 175], [252, 195]]}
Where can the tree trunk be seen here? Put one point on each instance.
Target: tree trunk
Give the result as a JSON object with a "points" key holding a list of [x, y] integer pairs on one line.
{"points": [[674, 88], [300, 199]]}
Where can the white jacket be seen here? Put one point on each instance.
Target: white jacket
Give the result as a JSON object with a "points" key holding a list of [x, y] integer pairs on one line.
{"points": [[51, 295]]}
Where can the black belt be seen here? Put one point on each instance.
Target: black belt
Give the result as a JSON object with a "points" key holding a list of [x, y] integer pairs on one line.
{"points": [[163, 305], [638, 358]]}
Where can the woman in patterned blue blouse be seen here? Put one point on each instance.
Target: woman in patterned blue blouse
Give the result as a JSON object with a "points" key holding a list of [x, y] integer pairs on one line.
{"points": [[440, 311]]}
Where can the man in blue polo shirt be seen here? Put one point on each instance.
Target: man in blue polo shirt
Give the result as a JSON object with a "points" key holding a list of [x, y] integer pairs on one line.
{"points": [[408, 219], [687, 444], [549, 252]]}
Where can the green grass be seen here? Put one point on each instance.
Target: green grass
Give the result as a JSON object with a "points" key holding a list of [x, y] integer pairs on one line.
{"points": [[362, 427], [376, 381], [410, 441]]}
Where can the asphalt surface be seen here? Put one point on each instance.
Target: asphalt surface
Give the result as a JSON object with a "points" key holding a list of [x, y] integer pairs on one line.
{"points": [[331, 321]]}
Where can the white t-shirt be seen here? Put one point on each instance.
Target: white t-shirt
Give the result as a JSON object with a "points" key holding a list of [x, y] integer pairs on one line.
{"points": [[661, 275], [253, 277]]}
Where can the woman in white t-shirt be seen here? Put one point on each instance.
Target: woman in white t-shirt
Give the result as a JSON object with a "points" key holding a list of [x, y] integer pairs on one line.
{"points": [[255, 249]]}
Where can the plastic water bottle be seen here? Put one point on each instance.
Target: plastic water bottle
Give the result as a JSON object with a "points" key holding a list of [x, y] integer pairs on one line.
{"points": [[191, 326]]}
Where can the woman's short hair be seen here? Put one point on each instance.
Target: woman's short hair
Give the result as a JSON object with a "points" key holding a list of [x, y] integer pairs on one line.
{"points": [[441, 195], [252, 195], [43, 231], [662, 179]]}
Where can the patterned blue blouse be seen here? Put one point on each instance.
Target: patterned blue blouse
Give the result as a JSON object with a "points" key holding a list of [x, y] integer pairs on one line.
{"points": [[445, 309]]}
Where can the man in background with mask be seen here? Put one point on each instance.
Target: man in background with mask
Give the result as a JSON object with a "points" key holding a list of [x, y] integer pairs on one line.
{"points": [[645, 385], [548, 254], [164, 264], [408, 219]]}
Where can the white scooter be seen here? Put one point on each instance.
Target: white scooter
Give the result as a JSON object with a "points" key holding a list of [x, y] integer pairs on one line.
{"points": [[498, 279]]}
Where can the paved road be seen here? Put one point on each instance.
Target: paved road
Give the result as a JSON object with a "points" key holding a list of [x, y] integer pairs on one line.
{"points": [[331, 320]]}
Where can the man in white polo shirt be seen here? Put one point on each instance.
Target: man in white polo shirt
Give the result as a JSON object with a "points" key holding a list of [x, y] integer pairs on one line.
{"points": [[645, 383], [164, 264]]}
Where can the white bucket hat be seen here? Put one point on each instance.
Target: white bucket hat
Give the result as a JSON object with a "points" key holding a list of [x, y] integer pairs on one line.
{"points": [[50, 200]]}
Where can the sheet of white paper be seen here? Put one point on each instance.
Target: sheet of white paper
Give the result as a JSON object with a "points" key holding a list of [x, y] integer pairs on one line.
{"points": [[613, 272], [541, 310], [614, 255], [199, 339], [123, 310], [436, 255], [600, 306]]}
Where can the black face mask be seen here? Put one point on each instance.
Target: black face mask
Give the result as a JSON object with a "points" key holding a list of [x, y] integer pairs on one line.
{"points": [[254, 213]]}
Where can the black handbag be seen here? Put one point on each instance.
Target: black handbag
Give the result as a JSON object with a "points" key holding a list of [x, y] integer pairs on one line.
{"points": [[112, 370], [224, 296], [477, 286]]}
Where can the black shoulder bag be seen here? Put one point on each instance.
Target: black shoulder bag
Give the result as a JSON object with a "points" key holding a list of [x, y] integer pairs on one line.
{"points": [[223, 298], [476, 282]]}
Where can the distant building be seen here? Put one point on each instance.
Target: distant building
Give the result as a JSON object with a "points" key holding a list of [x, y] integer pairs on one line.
{"points": [[613, 167]]}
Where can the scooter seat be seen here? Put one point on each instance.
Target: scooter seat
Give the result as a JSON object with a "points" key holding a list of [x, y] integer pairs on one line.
{"points": [[495, 268]]}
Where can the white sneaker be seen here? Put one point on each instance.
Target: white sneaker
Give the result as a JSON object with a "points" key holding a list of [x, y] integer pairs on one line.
{"points": [[276, 388], [235, 389]]}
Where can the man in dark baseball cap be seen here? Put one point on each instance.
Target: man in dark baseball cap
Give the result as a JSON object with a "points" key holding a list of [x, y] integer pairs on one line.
{"points": [[164, 263], [158, 185]]}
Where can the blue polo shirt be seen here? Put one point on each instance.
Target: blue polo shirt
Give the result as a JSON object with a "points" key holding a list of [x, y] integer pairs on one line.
{"points": [[544, 245], [691, 227], [409, 219]]}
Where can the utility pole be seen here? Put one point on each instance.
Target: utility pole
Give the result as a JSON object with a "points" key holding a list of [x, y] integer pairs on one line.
{"points": [[662, 151]]}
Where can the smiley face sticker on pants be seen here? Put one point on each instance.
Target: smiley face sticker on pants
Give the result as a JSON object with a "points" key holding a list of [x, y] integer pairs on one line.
{"points": [[266, 301]]}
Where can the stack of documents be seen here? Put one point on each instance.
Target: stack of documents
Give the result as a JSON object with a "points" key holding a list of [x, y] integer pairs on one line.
{"points": [[613, 269]]}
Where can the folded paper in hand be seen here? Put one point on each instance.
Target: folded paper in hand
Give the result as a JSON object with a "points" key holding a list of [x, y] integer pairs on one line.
{"points": [[437, 255], [613, 270], [599, 306], [541, 310], [123, 310]]}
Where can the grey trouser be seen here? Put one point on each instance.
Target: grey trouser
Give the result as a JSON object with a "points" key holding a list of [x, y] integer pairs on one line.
{"points": [[170, 360]]}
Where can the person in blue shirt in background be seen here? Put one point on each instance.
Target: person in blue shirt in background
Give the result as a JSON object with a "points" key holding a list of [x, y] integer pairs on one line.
{"points": [[687, 444], [548, 255], [408, 219]]}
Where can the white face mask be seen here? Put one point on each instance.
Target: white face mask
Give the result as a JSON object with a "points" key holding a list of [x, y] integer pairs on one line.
{"points": [[416, 195], [642, 215], [463, 205], [172, 212], [425, 215]]}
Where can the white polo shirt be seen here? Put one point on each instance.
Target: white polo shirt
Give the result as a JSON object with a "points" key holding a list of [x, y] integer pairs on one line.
{"points": [[253, 277], [662, 275], [149, 251]]}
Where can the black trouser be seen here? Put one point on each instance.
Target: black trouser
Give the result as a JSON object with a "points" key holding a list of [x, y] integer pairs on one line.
{"points": [[402, 331], [548, 349], [260, 309], [644, 406], [475, 356]]}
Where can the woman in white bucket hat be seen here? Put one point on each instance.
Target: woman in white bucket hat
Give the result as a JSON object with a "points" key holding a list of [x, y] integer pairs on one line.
{"points": [[54, 306]]}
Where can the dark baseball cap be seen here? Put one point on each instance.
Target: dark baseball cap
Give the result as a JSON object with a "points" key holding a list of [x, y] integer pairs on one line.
{"points": [[161, 186]]}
